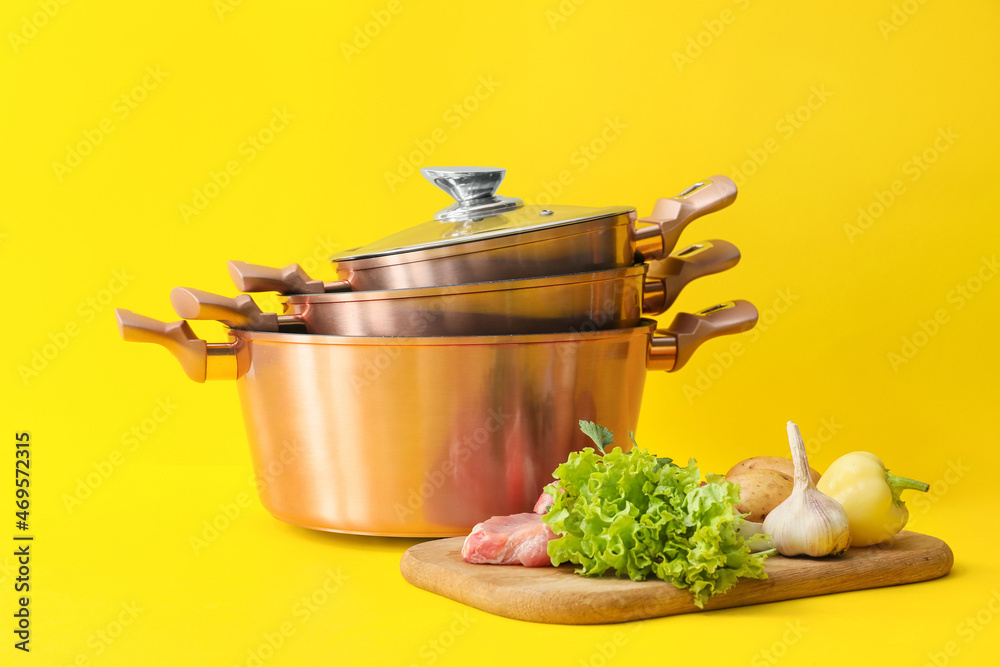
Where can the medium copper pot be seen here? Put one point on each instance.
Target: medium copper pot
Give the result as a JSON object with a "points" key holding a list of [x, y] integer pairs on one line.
{"points": [[611, 299], [577, 302], [426, 436]]}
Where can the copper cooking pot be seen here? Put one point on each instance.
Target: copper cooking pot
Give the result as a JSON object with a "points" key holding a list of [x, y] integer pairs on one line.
{"points": [[426, 436], [611, 299], [604, 299], [485, 237]]}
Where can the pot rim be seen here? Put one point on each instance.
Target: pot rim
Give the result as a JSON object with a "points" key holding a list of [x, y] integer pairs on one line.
{"points": [[645, 328], [513, 284]]}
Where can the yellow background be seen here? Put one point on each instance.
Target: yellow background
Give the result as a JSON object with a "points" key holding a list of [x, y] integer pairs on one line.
{"points": [[816, 111]]}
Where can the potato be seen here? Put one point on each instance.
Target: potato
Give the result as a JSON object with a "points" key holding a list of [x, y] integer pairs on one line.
{"points": [[761, 490], [778, 463]]}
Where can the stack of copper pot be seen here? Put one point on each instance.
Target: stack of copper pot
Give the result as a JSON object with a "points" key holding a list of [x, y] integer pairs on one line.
{"points": [[441, 379]]}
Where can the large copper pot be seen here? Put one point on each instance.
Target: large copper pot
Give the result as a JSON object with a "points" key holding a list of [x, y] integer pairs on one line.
{"points": [[426, 436]]}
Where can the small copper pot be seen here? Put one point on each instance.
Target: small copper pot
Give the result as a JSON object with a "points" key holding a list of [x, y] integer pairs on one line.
{"points": [[483, 237]]}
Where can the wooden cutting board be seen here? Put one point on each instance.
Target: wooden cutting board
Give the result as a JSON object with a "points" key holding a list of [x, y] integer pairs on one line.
{"points": [[557, 595]]}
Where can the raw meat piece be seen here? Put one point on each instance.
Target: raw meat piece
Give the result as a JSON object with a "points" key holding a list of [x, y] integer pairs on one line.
{"points": [[509, 540], [543, 503]]}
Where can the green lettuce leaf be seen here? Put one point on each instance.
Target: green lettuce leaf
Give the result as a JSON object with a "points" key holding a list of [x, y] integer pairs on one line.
{"points": [[641, 517], [601, 436]]}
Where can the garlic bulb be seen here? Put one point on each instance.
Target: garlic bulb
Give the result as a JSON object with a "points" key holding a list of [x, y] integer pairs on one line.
{"points": [[808, 522]]}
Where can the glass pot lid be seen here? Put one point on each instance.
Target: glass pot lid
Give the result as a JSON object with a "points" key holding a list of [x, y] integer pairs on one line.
{"points": [[478, 213]]}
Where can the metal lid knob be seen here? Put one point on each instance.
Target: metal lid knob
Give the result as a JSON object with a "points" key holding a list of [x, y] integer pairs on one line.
{"points": [[473, 189], [465, 183]]}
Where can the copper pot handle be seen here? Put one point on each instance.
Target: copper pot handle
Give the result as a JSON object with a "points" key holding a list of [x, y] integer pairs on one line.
{"points": [[666, 278], [200, 360], [671, 215], [291, 279], [671, 348], [239, 313]]}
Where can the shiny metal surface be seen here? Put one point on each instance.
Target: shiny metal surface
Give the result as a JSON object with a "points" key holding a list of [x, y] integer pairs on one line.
{"points": [[473, 189], [529, 242], [498, 230], [595, 245], [466, 183], [573, 302], [426, 436], [576, 302], [414, 437]]}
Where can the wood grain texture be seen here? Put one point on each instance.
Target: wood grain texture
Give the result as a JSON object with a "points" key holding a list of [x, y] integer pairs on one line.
{"points": [[557, 595]]}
